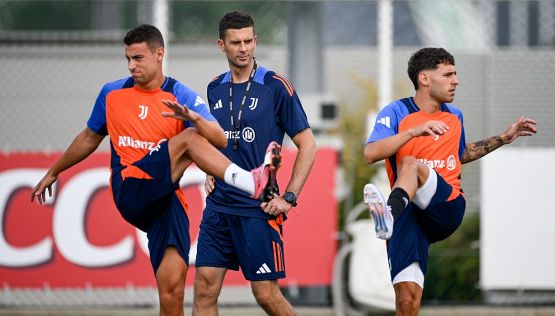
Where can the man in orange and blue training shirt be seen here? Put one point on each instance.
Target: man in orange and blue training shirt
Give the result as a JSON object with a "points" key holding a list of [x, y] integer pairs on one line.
{"points": [[423, 142], [151, 149]]}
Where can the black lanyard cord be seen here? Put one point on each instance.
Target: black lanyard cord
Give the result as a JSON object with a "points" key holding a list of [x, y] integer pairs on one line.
{"points": [[237, 127]]}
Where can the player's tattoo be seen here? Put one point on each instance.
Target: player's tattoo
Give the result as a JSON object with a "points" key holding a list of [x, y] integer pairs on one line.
{"points": [[481, 148]]}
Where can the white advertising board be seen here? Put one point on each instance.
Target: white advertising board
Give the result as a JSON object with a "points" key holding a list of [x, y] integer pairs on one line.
{"points": [[518, 219]]}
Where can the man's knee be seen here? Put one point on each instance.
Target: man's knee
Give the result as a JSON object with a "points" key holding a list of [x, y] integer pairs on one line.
{"points": [[187, 139], [172, 291], [172, 294], [266, 292], [408, 165], [408, 299], [263, 298], [171, 276], [407, 306], [180, 148], [408, 162], [206, 289]]}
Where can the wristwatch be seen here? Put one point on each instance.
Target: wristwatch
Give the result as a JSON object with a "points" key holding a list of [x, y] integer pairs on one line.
{"points": [[290, 198]]}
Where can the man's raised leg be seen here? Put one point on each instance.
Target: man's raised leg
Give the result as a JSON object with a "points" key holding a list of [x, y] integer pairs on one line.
{"points": [[189, 146], [411, 175]]}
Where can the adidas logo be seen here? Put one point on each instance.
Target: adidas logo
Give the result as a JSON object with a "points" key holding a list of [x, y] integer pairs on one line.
{"points": [[218, 105], [199, 101], [233, 177], [385, 121], [263, 269]]}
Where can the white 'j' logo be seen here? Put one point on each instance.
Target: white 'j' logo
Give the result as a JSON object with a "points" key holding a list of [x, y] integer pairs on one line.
{"points": [[254, 103], [144, 111]]}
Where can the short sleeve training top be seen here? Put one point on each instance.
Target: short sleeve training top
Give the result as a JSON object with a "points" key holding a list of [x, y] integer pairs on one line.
{"points": [[132, 117], [271, 110], [442, 152]]}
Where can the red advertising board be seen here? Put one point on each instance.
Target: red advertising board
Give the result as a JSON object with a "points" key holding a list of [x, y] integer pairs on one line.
{"points": [[79, 239]]}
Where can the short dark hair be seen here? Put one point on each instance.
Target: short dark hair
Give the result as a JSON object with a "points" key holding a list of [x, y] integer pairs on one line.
{"points": [[427, 59], [235, 20], [145, 33]]}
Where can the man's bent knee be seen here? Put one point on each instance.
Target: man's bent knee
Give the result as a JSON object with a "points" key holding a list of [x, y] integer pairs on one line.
{"points": [[266, 292], [407, 296], [408, 161], [407, 307], [412, 165], [408, 164], [187, 139]]}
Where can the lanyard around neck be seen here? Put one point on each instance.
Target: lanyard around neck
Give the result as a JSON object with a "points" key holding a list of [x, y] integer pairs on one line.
{"points": [[237, 127]]}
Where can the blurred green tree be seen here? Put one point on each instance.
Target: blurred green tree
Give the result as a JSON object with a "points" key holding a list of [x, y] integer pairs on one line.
{"points": [[190, 21]]}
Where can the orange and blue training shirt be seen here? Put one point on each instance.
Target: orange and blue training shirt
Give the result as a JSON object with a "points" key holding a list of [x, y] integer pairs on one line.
{"points": [[442, 152], [132, 117]]}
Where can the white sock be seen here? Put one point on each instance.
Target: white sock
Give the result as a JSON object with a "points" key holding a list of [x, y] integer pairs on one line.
{"points": [[239, 178]]}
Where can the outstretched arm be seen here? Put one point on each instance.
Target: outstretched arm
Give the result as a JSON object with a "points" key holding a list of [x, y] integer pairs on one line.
{"points": [[521, 127], [212, 131], [84, 144], [306, 144]]}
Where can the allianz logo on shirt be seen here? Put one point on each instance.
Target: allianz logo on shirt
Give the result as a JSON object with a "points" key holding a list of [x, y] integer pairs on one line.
{"points": [[247, 134], [450, 163], [128, 141]]}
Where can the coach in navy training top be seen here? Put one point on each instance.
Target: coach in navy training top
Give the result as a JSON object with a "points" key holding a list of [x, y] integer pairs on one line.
{"points": [[271, 109], [254, 106]]}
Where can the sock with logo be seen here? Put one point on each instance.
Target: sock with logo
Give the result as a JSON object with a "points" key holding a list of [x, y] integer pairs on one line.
{"points": [[398, 200], [239, 178]]}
